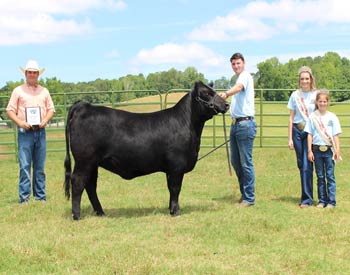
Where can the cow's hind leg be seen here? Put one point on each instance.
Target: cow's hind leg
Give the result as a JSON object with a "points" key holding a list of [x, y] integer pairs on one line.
{"points": [[77, 191], [91, 187], [174, 185]]}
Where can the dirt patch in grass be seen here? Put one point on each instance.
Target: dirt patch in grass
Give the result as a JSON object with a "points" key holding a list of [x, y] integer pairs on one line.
{"points": [[5, 149]]}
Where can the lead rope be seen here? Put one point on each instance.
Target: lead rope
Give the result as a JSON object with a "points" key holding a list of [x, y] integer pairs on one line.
{"points": [[211, 151], [227, 151]]}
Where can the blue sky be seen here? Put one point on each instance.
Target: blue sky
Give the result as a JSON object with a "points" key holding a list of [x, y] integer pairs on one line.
{"points": [[82, 40]]}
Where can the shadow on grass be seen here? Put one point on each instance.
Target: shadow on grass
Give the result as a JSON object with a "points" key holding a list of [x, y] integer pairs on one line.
{"points": [[228, 199], [234, 198], [151, 211], [131, 212], [134, 212]]}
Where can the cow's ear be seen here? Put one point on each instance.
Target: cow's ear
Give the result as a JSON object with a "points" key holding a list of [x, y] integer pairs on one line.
{"points": [[201, 89], [211, 84], [198, 85]]}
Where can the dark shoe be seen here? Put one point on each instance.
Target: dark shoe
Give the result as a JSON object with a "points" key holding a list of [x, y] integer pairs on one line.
{"points": [[304, 205], [244, 204]]}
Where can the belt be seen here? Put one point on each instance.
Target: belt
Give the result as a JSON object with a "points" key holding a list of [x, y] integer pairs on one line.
{"points": [[239, 119], [34, 128], [322, 148], [300, 125]]}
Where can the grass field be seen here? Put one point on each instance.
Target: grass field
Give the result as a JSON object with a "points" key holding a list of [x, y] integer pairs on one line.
{"points": [[213, 236]]}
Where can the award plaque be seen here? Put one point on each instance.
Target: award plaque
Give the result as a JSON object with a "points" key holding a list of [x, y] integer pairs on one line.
{"points": [[33, 115]]}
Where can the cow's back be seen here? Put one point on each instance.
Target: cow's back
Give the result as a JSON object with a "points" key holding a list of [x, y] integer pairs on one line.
{"points": [[132, 144]]}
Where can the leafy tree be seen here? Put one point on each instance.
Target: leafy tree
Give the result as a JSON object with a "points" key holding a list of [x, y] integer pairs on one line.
{"points": [[222, 83], [330, 71], [191, 75], [5, 93]]}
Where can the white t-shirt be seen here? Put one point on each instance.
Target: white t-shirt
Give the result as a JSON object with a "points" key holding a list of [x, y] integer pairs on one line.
{"points": [[331, 124], [242, 103], [309, 100]]}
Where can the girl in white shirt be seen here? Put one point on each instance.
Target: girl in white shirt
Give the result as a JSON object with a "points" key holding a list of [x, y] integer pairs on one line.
{"points": [[323, 130]]}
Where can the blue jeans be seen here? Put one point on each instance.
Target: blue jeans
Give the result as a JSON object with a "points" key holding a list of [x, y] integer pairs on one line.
{"points": [[242, 136], [31, 152], [305, 166], [324, 165]]}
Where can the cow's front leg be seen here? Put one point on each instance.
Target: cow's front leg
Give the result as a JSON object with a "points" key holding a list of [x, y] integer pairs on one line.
{"points": [[174, 185]]}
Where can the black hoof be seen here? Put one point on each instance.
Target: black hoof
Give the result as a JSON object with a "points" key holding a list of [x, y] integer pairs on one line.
{"points": [[100, 213], [175, 214], [76, 218]]}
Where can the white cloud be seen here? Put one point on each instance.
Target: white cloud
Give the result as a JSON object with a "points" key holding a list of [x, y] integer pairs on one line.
{"points": [[231, 27], [171, 53], [262, 20], [38, 29], [45, 21], [57, 7]]}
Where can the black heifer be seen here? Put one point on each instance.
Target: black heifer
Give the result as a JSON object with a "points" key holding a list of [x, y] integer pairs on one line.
{"points": [[134, 144]]}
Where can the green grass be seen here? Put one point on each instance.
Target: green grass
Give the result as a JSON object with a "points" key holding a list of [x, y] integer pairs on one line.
{"points": [[213, 236]]}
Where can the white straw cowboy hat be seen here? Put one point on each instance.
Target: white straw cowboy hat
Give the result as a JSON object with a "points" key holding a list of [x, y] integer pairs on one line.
{"points": [[32, 66]]}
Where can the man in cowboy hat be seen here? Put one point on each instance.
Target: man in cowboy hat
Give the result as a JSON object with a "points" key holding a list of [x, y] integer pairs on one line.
{"points": [[30, 108]]}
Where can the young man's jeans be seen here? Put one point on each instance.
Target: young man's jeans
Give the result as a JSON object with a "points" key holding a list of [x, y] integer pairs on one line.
{"points": [[31, 152], [242, 136], [324, 165], [305, 166]]}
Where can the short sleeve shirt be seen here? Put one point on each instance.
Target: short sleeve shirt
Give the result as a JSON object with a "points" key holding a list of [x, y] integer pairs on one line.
{"points": [[309, 99], [331, 123], [24, 96], [242, 103]]}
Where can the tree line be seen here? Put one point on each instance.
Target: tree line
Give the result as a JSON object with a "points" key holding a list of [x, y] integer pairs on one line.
{"points": [[331, 71]]}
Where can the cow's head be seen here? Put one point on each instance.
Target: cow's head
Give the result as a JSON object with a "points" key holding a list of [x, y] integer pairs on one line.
{"points": [[209, 100]]}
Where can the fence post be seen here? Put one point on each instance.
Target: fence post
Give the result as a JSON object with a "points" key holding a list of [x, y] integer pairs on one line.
{"points": [[214, 131], [15, 140], [261, 118], [65, 107]]}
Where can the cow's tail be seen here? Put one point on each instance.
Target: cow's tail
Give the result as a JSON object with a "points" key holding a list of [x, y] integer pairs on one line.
{"points": [[67, 161]]}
